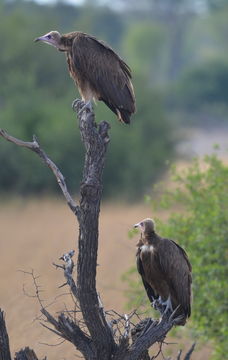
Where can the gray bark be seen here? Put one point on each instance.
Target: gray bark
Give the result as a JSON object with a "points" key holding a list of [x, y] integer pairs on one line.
{"points": [[95, 139], [25, 354], [4, 339]]}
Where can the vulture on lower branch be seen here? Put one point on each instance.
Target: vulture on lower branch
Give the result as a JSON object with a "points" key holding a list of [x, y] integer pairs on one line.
{"points": [[165, 271], [97, 70]]}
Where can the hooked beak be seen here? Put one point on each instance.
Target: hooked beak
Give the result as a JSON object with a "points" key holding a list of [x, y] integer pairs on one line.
{"points": [[136, 226], [41, 38], [46, 39]]}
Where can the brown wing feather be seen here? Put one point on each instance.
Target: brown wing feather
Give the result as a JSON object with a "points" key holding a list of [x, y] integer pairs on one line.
{"points": [[108, 75], [152, 272], [177, 269]]}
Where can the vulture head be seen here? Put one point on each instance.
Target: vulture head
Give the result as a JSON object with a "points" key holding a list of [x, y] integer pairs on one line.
{"points": [[146, 226], [52, 38]]}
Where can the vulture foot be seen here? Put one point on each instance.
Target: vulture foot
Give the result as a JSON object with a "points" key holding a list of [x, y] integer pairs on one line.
{"points": [[88, 106], [77, 105], [163, 306], [157, 305], [168, 305]]}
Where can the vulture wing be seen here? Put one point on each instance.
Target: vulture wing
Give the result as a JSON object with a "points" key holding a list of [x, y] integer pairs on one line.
{"points": [[149, 290], [177, 269], [108, 75]]}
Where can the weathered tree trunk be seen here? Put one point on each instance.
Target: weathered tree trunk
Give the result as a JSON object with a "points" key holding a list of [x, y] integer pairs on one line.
{"points": [[97, 340], [95, 140], [4, 339]]}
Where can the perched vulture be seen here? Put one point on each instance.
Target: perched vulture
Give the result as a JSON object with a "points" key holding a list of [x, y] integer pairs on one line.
{"points": [[97, 70], [165, 271]]}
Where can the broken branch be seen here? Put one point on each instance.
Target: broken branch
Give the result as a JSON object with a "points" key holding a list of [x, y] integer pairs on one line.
{"points": [[34, 146]]}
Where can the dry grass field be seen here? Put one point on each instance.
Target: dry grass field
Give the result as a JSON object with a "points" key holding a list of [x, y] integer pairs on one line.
{"points": [[33, 234]]}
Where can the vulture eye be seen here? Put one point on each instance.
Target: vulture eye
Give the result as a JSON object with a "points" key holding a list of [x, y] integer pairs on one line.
{"points": [[141, 224], [49, 36]]}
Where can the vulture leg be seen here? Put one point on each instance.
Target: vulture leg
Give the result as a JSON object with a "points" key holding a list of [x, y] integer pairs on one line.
{"points": [[168, 305]]}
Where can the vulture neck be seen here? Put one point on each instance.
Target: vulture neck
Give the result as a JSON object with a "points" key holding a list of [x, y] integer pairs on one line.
{"points": [[150, 238], [65, 43]]}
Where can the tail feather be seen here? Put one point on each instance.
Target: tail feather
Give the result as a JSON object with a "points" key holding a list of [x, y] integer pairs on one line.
{"points": [[123, 115]]}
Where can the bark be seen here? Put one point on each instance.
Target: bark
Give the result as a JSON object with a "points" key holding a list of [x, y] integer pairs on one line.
{"points": [[4, 339], [95, 140], [26, 354]]}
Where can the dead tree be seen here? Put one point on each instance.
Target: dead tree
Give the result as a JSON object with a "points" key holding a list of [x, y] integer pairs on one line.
{"points": [[105, 337]]}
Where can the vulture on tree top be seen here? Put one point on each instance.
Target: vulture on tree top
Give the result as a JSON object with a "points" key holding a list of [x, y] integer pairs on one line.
{"points": [[165, 271], [97, 70]]}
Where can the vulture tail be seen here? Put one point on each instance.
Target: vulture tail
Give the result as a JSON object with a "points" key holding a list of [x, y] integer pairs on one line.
{"points": [[123, 115]]}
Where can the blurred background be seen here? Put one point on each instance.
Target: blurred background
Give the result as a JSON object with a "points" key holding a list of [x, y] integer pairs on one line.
{"points": [[178, 53]]}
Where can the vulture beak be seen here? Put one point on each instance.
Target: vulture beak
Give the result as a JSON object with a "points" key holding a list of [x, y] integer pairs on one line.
{"points": [[41, 38], [140, 226], [48, 39]]}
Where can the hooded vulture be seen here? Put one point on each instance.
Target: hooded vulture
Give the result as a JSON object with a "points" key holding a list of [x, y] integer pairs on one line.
{"points": [[165, 271], [98, 72]]}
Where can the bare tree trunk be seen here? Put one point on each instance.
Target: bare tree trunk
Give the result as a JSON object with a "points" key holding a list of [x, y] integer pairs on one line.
{"points": [[97, 339], [95, 140], [4, 339]]}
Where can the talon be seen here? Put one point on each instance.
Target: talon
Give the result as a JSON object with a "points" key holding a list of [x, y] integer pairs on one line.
{"points": [[156, 304], [88, 106], [168, 305], [76, 104]]}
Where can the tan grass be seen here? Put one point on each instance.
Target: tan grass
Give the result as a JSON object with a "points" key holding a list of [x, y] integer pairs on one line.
{"points": [[34, 233]]}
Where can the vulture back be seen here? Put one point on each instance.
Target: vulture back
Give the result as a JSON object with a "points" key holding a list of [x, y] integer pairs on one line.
{"points": [[108, 76]]}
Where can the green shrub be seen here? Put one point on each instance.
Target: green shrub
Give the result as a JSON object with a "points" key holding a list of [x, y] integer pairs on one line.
{"points": [[199, 222]]}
